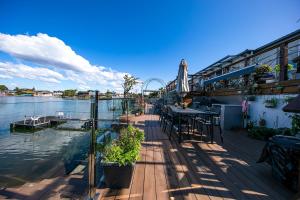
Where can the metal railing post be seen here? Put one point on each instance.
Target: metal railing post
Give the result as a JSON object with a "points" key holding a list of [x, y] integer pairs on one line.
{"points": [[91, 168], [92, 152]]}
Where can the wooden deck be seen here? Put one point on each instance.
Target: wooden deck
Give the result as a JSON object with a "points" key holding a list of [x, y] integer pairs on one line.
{"points": [[198, 170]]}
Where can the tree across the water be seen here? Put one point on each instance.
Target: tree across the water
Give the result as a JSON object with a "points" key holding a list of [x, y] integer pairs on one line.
{"points": [[3, 88]]}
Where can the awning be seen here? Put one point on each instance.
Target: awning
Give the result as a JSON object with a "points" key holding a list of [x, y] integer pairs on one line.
{"points": [[236, 73]]}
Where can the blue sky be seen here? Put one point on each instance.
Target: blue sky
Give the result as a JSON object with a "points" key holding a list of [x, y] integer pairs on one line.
{"points": [[91, 44]]}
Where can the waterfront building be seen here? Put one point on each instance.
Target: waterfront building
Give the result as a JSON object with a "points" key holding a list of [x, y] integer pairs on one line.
{"points": [[270, 73], [57, 93], [43, 93]]}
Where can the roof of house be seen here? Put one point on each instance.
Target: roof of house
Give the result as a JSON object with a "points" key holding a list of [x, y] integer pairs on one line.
{"points": [[289, 37]]}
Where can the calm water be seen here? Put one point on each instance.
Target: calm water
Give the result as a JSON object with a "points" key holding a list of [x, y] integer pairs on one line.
{"points": [[26, 157]]}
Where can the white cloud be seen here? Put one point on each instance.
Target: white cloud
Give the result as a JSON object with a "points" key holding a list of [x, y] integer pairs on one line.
{"points": [[5, 76], [9, 69], [52, 52], [45, 50]]}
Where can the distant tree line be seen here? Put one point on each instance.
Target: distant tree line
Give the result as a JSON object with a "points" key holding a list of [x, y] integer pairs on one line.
{"points": [[3, 88], [69, 93]]}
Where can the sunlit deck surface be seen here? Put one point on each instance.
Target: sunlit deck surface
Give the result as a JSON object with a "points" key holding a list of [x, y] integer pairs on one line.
{"points": [[198, 170]]}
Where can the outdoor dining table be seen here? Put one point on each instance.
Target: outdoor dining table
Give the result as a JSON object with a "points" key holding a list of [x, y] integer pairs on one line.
{"points": [[180, 112]]}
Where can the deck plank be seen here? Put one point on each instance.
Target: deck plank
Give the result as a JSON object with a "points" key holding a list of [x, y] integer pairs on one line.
{"points": [[137, 188], [198, 170], [160, 173], [149, 181]]}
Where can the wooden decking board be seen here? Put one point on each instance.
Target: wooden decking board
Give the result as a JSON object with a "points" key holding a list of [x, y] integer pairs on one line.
{"points": [[231, 182], [196, 186], [233, 169], [197, 170], [149, 181], [250, 176], [254, 171], [136, 191], [185, 187], [213, 186], [161, 182], [197, 189], [169, 174], [257, 172]]}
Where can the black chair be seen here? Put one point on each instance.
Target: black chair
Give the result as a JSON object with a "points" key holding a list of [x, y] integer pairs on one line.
{"points": [[206, 121], [184, 125]]}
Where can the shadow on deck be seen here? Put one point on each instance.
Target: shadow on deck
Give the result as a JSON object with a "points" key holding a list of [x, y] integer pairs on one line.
{"points": [[198, 170]]}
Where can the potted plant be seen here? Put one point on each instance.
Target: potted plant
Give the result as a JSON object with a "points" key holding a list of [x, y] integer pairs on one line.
{"points": [[250, 125], [262, 122], [271, 103], [295, 124], [291, 71], [277, 71], [119, 157], [263, 73], [297, 62], [290, 68]]}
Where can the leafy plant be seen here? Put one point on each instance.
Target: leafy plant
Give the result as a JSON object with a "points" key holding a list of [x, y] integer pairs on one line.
{"points": [[125, 150], [3, 88], [69, 93], [250, 125], [262, 121], [129, 83], [264, 133], [277, 67], [263, 69], [295, 123], [290, 67], [271, 103]]}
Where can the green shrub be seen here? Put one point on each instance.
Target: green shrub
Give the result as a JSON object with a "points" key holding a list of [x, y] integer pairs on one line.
{"points": [[295, 123], [264, 133], [125, 150]]}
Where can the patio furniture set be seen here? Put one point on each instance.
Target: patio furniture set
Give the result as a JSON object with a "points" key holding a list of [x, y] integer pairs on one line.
{"points": [[188, 121]]}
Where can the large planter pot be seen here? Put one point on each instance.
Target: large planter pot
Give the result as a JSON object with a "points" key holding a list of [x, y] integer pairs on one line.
{"points": [[116, 176]]}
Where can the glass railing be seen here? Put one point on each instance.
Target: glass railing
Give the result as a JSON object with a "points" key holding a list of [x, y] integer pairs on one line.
{"points": [[56, 146]]}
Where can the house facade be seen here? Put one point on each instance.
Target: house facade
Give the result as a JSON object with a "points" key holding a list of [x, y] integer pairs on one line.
{"points": [[58, 93], [43, 93], [268, 73]]}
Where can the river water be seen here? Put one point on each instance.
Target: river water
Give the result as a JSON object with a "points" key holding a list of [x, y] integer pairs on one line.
{"points": [[27, 156]]}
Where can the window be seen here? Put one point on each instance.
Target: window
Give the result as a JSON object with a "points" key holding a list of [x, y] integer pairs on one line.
{"points": [[293, 53], [270, 58], [237, 66]]}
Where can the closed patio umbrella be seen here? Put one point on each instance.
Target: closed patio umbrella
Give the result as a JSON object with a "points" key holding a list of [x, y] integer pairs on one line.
{"points": [[182, 79]]}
